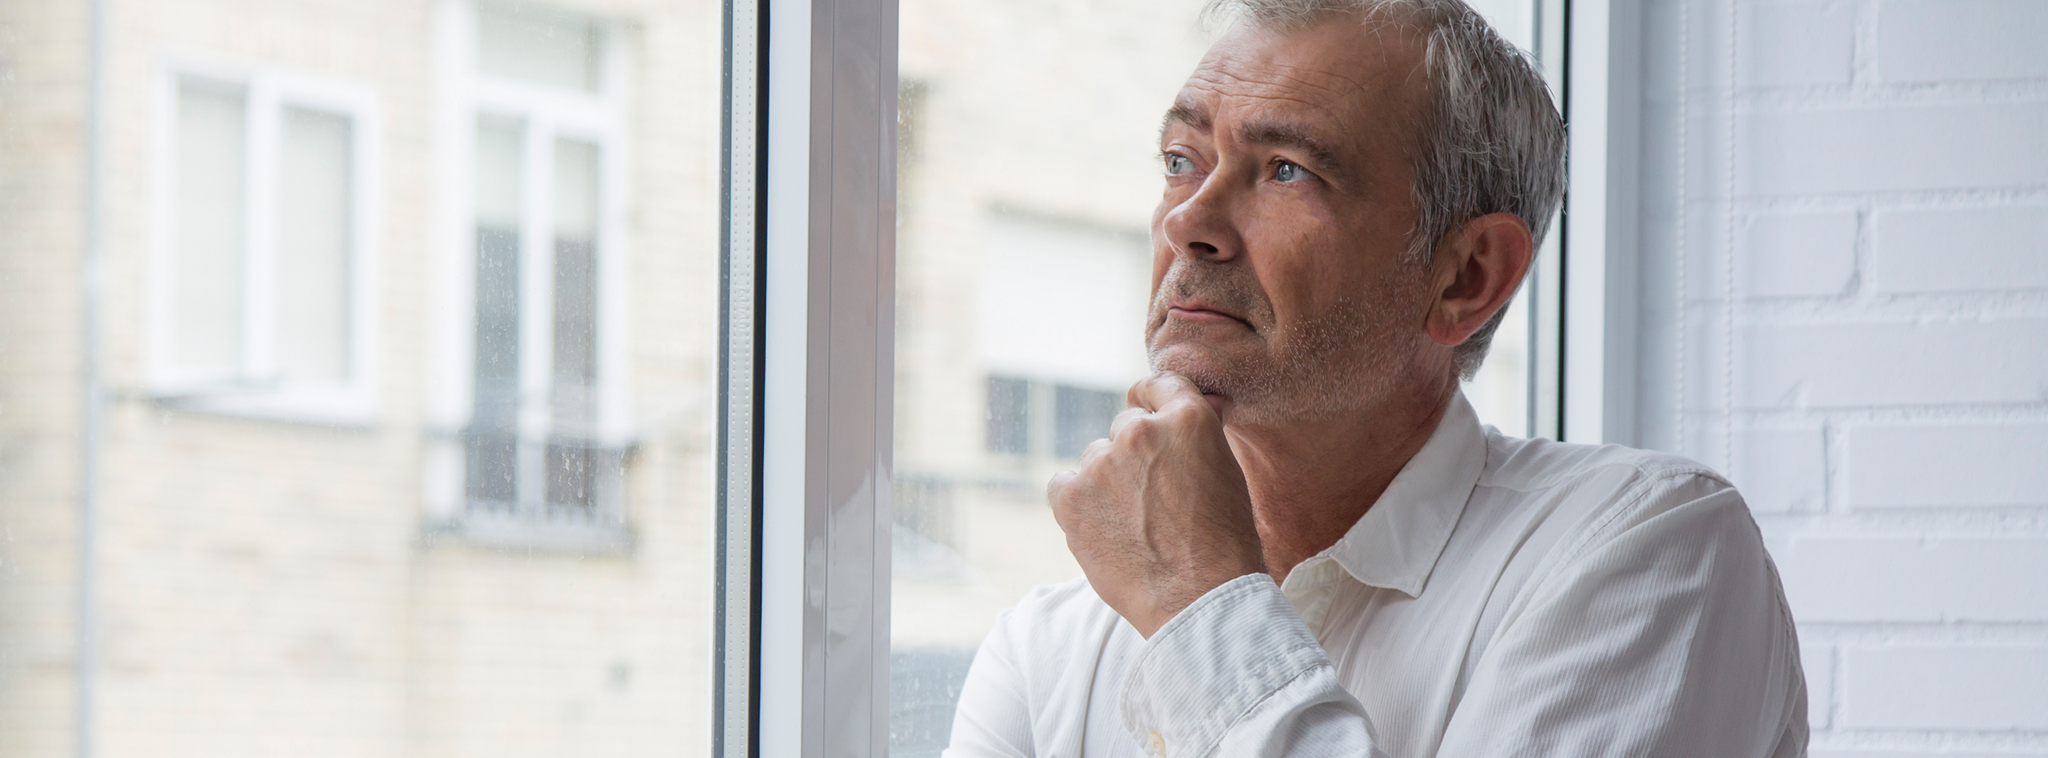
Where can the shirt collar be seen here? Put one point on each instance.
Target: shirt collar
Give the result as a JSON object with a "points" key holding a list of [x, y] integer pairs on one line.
{"points": [[1397, 542]]}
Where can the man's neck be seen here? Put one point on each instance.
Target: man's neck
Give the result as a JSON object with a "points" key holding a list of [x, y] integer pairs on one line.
{"points": [[1311, 480]]}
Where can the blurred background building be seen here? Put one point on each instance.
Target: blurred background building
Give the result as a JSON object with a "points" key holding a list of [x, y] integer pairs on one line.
{"points": [[406, 337]]}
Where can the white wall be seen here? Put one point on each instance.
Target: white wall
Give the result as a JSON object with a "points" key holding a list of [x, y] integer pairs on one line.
{"points": [[1878, 382]]}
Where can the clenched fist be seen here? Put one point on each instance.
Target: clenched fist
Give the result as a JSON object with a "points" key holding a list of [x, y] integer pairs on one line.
{"points": [[1159, 514]]}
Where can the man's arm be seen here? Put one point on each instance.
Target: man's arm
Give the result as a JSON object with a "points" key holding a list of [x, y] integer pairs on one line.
{"points": [[993, 718], [1237, 673]]}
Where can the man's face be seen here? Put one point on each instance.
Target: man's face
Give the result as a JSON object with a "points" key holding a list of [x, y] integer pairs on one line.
{"points": [[1280, 278]]}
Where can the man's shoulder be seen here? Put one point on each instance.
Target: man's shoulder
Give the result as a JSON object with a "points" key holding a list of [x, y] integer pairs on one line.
{"points": [[1605, 490], [1535, 465]]}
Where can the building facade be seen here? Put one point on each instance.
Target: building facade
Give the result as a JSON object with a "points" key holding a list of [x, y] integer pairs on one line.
{"points": [[406, 335]]}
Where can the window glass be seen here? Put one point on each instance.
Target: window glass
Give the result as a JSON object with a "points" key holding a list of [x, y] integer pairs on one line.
{"points": [[212, 226], [1027, 177], [538, 44], [405, 332], [316, 180]]}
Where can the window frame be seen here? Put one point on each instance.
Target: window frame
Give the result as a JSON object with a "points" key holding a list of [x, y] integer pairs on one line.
{"points": [[269, 90], [547, 115]]}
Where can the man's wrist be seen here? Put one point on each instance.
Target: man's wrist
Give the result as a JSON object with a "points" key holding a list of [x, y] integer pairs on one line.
{"points": [[1179, 594]]}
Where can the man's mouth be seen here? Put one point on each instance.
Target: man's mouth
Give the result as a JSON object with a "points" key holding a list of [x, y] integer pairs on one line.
{"points": [[1200, 313]]}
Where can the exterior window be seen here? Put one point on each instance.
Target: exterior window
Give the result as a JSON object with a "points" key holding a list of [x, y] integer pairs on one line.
{"points": [[1080, 415], [1009, 415], [260, 277], [545, 124]]}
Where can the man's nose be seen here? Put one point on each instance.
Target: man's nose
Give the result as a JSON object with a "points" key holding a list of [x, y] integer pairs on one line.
{"points": [[1201, 226]]}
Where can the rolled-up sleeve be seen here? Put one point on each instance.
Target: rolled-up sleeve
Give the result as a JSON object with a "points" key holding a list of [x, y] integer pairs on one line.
{"points": [[1237, 673]]}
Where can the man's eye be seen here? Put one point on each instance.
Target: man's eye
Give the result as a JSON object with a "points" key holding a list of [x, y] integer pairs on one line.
{"points": [[1288, 172], [1178, 164]]}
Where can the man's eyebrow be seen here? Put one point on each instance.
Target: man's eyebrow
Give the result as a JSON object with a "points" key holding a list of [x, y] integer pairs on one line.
{"points": [[1289, 134], [1187, 112]]}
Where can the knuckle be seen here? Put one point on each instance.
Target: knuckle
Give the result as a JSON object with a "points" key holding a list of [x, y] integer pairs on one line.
{"points": [[1095, 450]]}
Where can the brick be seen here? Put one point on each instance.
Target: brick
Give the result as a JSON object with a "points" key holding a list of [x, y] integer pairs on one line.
{"points": [[1959, 249], [1916, 579], [1891, 363], [1960, 40], [1893, 148], [1781, 470], [1949, 465], [1955, 688], [1798, 254], [1817, 662], [1798, 45]]}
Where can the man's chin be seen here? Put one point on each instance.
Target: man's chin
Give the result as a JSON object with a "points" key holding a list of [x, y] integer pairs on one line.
{"points": [[1207, 367]]}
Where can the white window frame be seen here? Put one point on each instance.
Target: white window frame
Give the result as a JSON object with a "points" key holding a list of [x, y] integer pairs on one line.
{"points": [[463, 94], [806, 380], [1602, 238], [270, 89]]}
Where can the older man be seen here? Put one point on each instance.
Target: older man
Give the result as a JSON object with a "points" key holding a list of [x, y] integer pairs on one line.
{"points": [[1300, 540]]}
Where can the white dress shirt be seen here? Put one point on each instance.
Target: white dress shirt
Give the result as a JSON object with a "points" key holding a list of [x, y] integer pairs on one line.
{"points": [[1504, 597]]}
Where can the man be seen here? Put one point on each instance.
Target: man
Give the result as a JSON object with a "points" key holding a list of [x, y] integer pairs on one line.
{"points": [[1299, 540]]}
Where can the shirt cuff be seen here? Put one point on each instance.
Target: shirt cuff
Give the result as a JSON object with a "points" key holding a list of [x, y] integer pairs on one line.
{"points": [[1214, 662]]}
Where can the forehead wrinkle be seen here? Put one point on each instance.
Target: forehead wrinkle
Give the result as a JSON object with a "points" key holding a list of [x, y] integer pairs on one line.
{"points": [[1267, 131], [1196, 113]]}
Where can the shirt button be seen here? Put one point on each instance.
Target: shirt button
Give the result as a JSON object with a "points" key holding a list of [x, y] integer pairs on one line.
{"points": [[1158, 746]]}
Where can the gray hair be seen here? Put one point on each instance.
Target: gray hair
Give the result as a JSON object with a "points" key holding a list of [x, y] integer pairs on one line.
{"points": [[1492, 141]]}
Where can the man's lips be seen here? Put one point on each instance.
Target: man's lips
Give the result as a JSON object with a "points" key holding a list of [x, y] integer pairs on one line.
{"points": [[1200, 314]]}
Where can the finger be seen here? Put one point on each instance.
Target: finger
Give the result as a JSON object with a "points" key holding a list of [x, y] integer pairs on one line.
{"points": [[1158, 390], [1094, 450], [1124, 419], [1053, 489]]}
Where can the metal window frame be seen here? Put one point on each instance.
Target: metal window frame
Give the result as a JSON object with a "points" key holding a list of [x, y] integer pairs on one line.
{"points": [[806, 378]]}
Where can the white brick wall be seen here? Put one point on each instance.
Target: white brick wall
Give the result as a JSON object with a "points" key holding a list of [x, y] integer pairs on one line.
{"points": [[1878, 381]]}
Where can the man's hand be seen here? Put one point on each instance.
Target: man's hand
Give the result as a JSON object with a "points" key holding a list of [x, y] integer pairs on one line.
{"points": [[1158, 515]]}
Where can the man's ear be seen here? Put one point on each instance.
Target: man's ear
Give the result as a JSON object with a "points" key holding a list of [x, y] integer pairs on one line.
{"points": [[1476, 271]]}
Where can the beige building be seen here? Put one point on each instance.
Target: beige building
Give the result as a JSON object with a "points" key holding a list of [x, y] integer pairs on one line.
{"points": [[407, 334]]}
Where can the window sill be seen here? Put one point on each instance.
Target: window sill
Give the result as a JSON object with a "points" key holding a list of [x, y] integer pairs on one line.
{"points": [[505, 532], [335, 408]]}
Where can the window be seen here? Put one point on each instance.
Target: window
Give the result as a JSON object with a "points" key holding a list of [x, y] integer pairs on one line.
{"points": [[263, 286], [328, 254], [543, 107]]}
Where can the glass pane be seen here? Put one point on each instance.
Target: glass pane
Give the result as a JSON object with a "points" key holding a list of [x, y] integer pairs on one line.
{"points": [[574, 465], [212, 227], [494, 424], [315, 179], [538, 45], [280, 568], [1028, 175]]}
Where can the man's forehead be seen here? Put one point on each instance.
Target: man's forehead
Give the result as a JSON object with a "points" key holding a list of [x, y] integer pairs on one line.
{"points": [[1338, 71]]}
